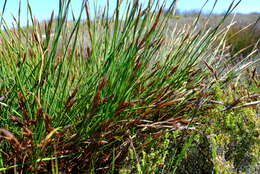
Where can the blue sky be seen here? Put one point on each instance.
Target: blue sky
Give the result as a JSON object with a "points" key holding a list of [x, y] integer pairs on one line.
{"points": [[42, 8]]}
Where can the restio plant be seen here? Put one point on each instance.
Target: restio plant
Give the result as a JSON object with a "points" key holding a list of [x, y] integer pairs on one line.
{"points": [[125, 93]]}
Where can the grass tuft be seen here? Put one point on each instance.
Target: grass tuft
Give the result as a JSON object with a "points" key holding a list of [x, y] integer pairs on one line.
{"points": [[127, 93]]}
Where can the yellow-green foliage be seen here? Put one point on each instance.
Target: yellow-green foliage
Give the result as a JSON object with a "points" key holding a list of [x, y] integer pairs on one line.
{"points": [[154, 159], [234, 138]]}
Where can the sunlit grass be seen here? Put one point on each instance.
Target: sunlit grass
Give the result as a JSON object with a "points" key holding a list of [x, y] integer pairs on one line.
{"points": [[113, 93]]}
